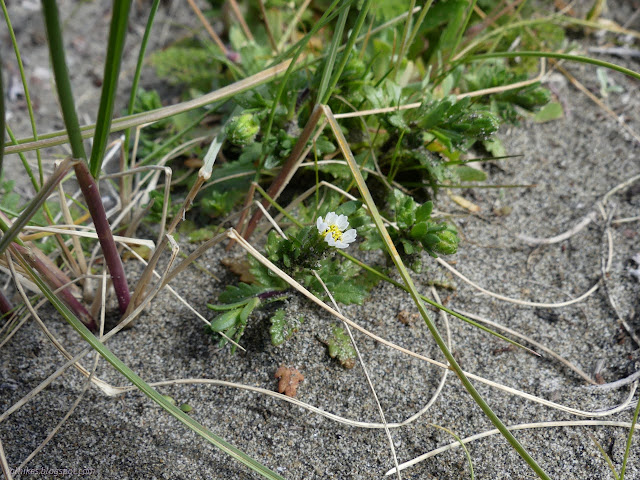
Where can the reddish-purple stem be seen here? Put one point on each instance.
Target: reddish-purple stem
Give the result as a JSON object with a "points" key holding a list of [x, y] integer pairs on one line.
{"points": [[92, 196], [55, 280], [5, 305], [288, 169]]}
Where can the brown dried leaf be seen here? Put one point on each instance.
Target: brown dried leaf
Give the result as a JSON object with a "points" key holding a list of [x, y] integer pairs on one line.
{"points": [[240, 267], [289, 380], [464, 203], [193, 162], [407, 318]]}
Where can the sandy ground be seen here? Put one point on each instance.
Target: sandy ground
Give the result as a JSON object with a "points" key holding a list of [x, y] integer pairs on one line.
{"points": [[573, 163]]}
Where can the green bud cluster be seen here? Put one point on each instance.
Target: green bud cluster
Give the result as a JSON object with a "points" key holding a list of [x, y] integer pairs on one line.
{"points": [[241, 130]]}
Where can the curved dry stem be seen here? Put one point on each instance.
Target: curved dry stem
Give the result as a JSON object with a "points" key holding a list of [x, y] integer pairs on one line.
{"points": [[522, 426], [232, 234], [366, 374], [515, 300], [538, 345]]}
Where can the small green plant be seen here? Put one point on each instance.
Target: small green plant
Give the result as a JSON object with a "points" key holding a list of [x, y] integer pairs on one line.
{"points": [[340, 348], [404, 96], [413, 231]]}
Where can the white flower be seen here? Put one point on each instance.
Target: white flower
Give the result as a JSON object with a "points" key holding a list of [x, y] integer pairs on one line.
{"points": [[333, 227]]}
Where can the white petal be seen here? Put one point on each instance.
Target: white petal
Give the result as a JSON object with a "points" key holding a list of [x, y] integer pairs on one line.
{"points": [[322, 226], [349, 236], [331, 218], [329, 239], [340, 244], [342, 222]]}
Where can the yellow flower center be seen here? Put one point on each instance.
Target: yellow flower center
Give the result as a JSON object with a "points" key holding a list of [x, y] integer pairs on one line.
{"points": [[335, 232]]}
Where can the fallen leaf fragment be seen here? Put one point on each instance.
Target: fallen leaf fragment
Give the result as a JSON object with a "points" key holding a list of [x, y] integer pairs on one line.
{"points": [[289, 380], [407, 318], [464, 203], [239, 266]]}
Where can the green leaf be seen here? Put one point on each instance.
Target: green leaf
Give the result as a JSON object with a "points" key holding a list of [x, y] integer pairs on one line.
{"points": [[349, 208], [495, 147], [243, 291], [551, 111], [340, 348], [419, 230], [324, 146], [470, 174], [423, 212], [265, 279], [283, 328], [349, 292], [225, 321]]}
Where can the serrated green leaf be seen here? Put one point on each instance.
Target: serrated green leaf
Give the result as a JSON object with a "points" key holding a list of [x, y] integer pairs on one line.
{"points": [[348, 293], [495, 147], [283, 328], [340, 348]]}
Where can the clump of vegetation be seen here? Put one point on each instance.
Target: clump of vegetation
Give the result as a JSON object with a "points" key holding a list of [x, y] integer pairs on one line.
{"points": [[375, 111]]}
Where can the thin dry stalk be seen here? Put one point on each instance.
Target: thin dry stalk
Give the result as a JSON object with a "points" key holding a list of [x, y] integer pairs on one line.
{"points": [[240, 18], [5, 465], [205, 23], [288, 169], [366, 374], [267, 27], [523, 426], [515, 300], [231, 233]]}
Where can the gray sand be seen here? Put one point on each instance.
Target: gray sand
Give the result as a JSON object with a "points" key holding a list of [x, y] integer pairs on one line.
{"points": [[572, 162]]}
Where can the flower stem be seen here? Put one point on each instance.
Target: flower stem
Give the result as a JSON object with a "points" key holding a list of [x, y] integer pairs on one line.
{"points": [[112, 258]]}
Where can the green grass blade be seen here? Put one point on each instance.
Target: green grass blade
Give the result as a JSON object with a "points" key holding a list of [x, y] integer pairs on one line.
{"points": [[138, 72], [560, 56], [35, 204], [328, 14], [224, 93], [333, 52], [462, 29], [27, 95], [605, 455], [113, 60], [406, 277], [629, 440], [145, 387], [61, 75], [1, 117], [353, 36]]}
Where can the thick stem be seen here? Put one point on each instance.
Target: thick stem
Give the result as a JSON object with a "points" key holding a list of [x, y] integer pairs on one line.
{"points": [[56, 279], [289, 168], [91, 194], [5, 305]]}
